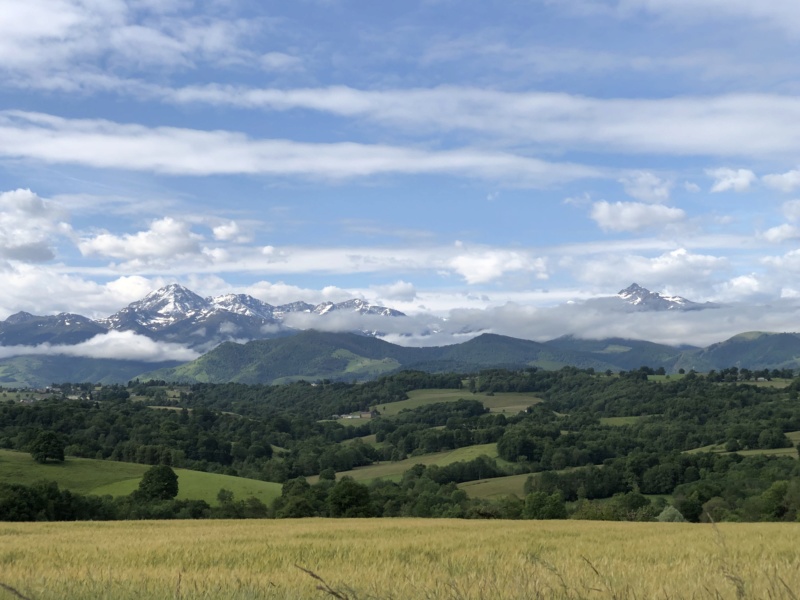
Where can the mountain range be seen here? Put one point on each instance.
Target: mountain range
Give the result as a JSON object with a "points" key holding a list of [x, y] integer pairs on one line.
{"points": [[178, 315], [243, 339]]}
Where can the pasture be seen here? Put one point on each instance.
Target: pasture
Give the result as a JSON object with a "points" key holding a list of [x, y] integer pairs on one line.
{"points": [[794, 437], [393, 471], [398, 558], [101, 477], [507, 402]]}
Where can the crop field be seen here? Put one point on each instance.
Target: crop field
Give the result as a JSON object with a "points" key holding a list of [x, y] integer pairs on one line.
{"points": [[508, 402], [100, 477], [398, 558], [393, 471]]}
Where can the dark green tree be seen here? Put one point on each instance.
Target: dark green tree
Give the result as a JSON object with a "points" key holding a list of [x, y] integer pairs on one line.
{"points": [[159, 483], [47, 445]]}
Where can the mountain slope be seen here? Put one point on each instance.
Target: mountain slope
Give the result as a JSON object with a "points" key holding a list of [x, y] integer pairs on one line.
{"points": [[346, 356], [38, 371], [751, 350]]}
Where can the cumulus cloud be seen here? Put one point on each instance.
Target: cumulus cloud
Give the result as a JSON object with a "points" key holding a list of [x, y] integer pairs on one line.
{"points": [[28, 226], [725, 179], [118, 345], [633, 216], [399, 290], [677, 265], [646, 187], [781, 233], [166, 238], [483, 266], [230, 231], [784, 182]]}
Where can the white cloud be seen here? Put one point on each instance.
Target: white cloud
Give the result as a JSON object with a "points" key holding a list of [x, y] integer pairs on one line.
{"points": [[691, 187], [633, 216], [791, 210], [399, 290], [166, 238], [279, 61], [230, 231], [779, 14], [686, 269], [785, 182], [104, 144], [29, 226], [646, 187], [486, 265], [725, 125], [118, 345], [781, 233], [737, 180], [42, 36]]}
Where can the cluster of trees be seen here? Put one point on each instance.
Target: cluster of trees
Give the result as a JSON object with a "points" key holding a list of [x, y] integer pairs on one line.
{"points": [[155, 498], [580, 461]]}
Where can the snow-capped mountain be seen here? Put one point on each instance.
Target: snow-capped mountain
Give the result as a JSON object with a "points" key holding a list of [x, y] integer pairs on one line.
{"points": [[25, 329], [242, 304], [643, 299], [177, 314], [358, 306], [159, 309]]}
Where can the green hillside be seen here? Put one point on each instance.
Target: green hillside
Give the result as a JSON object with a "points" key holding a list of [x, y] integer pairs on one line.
{"points": [[100, 477], [623, 353], [752, 350], [313, 355], [394, 470], [38, 371], [508, 402]]}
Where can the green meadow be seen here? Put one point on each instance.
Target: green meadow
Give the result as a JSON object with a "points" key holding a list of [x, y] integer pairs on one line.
{"points": [[101, 477], [507, 402]]}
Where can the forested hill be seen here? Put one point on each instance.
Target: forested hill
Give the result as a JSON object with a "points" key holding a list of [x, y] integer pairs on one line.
{"points": [[346, 356]]}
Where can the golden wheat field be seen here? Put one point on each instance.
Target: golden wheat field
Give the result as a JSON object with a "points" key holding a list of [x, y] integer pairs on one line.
{"points": [[399, 559]]}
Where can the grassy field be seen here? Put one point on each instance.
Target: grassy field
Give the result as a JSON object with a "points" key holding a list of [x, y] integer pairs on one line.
{"points": [[618, 421], [394, 470], [399, 559], [497, 487], [794, 437], [99, 477], [501, 402]]}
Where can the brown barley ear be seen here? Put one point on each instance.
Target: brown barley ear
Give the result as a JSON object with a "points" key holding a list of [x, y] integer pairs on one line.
{"points": [[324, 587]]}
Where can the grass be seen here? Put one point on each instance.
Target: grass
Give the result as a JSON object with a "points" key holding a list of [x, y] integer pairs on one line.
{"points": [[394, 470], [618, 421], [794, 437], [497, 487], [509, 402], [100, 477], [399, 558]]}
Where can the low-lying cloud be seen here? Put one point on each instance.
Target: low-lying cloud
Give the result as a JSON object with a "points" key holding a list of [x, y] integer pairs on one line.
{"points": [[117, 345]]}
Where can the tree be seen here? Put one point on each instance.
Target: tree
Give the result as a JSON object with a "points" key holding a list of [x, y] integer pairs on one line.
{"points": [[47, 445], [159, 483]]}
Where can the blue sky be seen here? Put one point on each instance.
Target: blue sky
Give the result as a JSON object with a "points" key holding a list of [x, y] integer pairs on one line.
{"points": [[431, 155]]}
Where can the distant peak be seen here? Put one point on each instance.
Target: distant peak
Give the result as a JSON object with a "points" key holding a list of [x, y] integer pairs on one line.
{"points": [[633, 288]]}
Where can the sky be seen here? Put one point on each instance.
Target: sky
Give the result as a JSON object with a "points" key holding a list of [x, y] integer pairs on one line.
{"points": [[483, 162]]}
